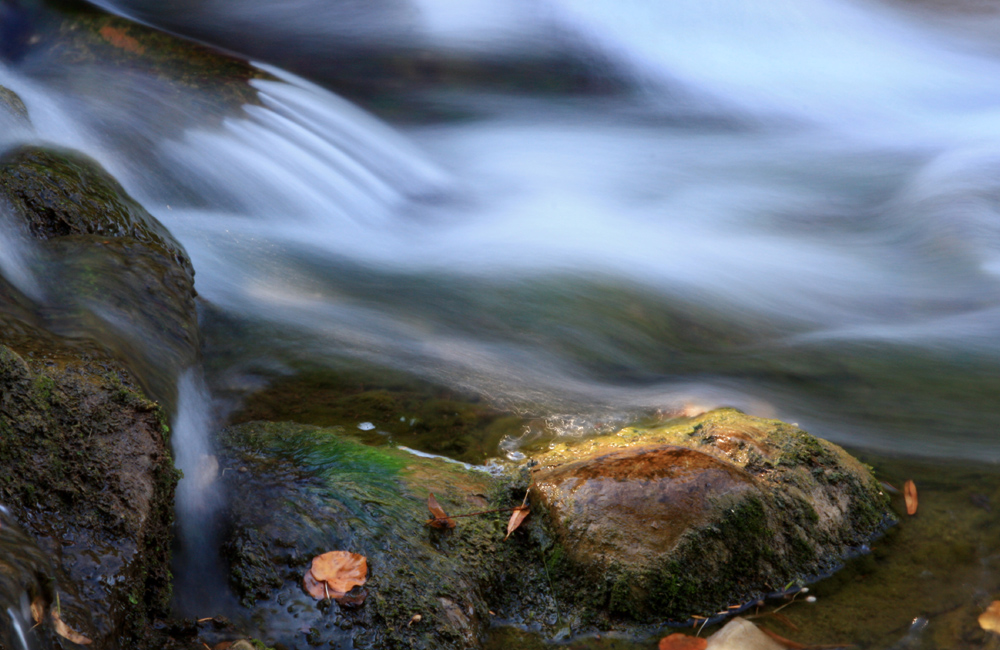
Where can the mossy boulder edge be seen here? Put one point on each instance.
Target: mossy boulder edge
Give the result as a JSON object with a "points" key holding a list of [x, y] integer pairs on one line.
{"points": [[696, 516]]}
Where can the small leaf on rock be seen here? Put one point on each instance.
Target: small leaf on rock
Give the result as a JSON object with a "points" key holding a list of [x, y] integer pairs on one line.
{"points": [[441, 519], [337, 572], [910, 494], [678, 641], [516, 517], [990, 619], [66, 631]]}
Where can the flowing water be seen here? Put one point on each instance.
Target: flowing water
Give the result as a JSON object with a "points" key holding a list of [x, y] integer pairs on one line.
{"points": [[580, 212]]}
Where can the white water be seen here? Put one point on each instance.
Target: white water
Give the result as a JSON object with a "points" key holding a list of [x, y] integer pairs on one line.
{"points": [[819, 176]]}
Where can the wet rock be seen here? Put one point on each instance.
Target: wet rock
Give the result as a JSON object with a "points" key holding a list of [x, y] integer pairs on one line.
{"points": [[109, 272], [311, 490], [12, 103], [93, 488], [691, 517]]}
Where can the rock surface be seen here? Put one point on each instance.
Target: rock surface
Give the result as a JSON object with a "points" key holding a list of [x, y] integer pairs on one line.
{"points": [[93, 486], [308, 490], [693, 516]]}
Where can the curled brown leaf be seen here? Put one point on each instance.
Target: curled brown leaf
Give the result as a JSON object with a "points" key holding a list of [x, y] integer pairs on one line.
{"points": [[516, 517], [66, 631], [441, 518]]}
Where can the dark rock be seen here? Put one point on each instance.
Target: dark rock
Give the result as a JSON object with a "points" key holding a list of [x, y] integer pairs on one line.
{"points": [[310, 490], [93, 487]]}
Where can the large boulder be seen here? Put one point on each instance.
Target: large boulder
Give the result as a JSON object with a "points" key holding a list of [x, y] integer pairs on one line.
{"points": [[692, 517], [89, 476]]}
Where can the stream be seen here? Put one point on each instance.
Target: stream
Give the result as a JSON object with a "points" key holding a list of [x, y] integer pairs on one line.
{"points": [[583, 213]]}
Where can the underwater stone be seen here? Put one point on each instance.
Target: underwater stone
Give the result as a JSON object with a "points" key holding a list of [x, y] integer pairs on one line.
{"points": [[693, 516]]}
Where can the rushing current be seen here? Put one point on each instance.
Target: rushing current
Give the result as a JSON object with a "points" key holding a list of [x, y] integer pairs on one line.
{"points": [[792, 207]]}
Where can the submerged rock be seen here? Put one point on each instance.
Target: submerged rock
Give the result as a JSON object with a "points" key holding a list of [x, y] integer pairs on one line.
{"points": [[694, 516], [90, 478]]}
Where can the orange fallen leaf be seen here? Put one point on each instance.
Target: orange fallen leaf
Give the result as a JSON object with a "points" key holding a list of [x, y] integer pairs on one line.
{"points": [[990, 619], [910, 494], [335, 573], [66, 631], [222, 645], [441, 519], [678, 641], [516, 517]]}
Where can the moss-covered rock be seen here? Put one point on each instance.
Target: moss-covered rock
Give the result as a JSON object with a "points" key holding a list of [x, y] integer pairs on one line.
{"points": [[693, 516], [84, 35], [62, 192], [111, 273], [90, 477], [299, 491]]}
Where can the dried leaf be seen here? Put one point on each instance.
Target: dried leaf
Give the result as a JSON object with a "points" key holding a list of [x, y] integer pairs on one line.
{"points": [[441, 519], [313, 587], [678, 641], [38, 610], [340, 570], [910, 494], [516, 517], [66, 631], [990, 619], [222, 645]]}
